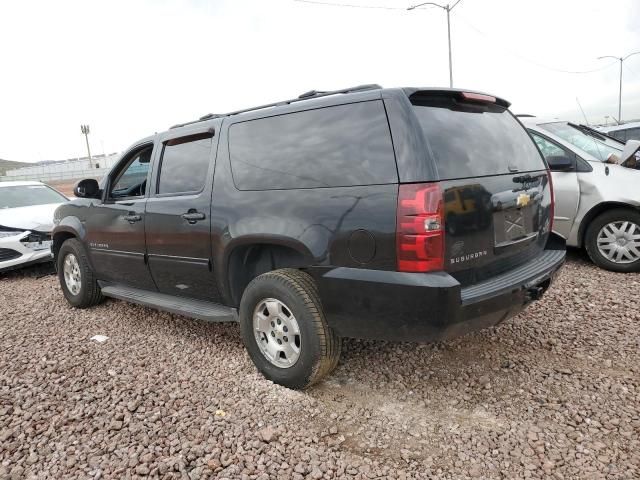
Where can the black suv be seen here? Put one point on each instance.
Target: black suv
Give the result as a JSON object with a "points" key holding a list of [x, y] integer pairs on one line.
{"points": [[402, 214]]}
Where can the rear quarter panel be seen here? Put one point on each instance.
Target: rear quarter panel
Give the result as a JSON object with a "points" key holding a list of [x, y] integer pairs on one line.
{"points": [[317, 222]]}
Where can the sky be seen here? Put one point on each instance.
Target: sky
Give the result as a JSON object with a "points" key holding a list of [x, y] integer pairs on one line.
{"points": [[131, 68]]}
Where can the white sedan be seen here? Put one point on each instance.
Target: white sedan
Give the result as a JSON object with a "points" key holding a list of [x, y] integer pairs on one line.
{"points": [[26, 221]]}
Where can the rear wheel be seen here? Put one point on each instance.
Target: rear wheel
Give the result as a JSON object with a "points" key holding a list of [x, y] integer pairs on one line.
{"points": [[284, 329], [613, 240], [76, 278]]}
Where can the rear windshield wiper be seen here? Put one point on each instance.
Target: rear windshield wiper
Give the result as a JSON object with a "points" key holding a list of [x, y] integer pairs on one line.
{"points": [[602, 134], [592, 132], [528, 178]]}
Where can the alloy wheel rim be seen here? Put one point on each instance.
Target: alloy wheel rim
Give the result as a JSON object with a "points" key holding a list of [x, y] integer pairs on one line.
{"points": [[277, 332], [72, 275], [619, 242]]}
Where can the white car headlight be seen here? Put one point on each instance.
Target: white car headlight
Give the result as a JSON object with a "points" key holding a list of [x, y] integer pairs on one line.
{"points": [[37, 246], [37, 241]]}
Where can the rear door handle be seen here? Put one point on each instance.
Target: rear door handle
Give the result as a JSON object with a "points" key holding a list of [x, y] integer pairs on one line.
{"points": [[132, 218], [193, 216]]}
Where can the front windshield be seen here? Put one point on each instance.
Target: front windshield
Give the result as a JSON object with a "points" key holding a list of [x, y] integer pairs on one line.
{"points": [[28, 195], [587, 143]]}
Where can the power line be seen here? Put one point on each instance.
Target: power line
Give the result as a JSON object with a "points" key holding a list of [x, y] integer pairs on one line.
{"points": [[349, 5], [526, 59], [635, 75], [500, 44]]}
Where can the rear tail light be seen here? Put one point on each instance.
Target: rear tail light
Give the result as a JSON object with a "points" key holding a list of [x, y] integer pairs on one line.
{"points": [[420, 228], [552, 210]]}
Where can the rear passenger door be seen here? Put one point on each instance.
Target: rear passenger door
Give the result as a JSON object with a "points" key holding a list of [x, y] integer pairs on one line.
{"points": [[178, 215]]}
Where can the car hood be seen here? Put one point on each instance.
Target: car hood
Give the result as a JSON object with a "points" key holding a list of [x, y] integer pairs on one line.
{"points": [[35, 217]]}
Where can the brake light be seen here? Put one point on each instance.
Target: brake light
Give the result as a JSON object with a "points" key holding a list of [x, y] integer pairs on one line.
{"points": [[478, 97], [552, 210], [420, 228]]}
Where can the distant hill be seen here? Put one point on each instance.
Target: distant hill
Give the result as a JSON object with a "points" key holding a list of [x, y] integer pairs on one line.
{"points": [[10, 165]]}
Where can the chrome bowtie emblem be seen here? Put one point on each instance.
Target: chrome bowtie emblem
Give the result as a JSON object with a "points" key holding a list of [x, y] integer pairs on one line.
{"points": [[523, 200]]}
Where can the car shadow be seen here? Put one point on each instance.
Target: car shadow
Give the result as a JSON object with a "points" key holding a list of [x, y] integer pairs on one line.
{"points": [[32, 271]]}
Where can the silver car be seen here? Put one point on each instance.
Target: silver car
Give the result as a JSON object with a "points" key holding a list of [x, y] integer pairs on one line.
{"points": [[596, 182]]}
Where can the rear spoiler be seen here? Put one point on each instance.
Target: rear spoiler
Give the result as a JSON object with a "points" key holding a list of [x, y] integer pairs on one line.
{"points": [[454, 92]]}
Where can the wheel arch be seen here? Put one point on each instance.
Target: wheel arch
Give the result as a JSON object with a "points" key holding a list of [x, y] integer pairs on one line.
{"points": [[59, 237], [69, 227], [252, 257], [597, 210]]}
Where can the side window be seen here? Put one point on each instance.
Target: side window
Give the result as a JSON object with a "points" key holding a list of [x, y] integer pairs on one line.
{"points": [[184, 164], [335, 146], [632, 134], [548, 149], [132, 179]]}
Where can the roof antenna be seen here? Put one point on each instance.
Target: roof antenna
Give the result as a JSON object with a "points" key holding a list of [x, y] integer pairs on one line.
{"points": [[585, 117]]}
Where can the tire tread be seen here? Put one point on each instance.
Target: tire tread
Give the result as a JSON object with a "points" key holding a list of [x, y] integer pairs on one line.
{"points": [[303, 286], [92, 294]]}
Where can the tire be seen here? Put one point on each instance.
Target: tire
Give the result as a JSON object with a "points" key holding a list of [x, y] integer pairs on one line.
{"points": [[597, 249], [88, 292], [280, 296]]}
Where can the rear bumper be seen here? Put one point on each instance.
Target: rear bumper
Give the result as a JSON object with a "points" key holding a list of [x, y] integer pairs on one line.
{"points": [[424, 307]]}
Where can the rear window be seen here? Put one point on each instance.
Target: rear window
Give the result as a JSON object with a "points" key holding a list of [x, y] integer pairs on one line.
{"points": [[619, 134], [474, 139], [335, 146], [588, 141]]}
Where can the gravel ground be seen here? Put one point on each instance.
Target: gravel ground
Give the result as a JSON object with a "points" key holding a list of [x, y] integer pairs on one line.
{"points": [[553, 393]]}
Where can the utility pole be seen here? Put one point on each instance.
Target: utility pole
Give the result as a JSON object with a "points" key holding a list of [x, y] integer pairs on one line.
{"points": [[620, 59], [447, 8], [85, 131]]}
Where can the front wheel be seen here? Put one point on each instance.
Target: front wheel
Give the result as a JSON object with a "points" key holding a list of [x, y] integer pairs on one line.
{"points": [[76, 278], [612, 240], [284, 329]]}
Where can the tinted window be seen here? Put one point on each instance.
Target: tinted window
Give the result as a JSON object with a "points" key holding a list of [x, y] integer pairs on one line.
{"points": [[474, 139], [184, 164], [334, 146]]}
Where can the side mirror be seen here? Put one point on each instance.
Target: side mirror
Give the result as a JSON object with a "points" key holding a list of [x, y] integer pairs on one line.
{"points": [[630, 149], [87, 188], [559, 163]]}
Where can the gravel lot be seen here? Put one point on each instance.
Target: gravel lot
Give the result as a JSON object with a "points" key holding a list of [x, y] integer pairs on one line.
{"points": [[552, 393]]}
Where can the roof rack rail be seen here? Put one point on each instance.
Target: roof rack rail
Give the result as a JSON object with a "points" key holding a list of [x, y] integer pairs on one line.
{"points": [[305, 96]]}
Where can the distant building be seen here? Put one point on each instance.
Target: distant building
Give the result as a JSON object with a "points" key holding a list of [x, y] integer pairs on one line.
{"points": [[64, 169]]}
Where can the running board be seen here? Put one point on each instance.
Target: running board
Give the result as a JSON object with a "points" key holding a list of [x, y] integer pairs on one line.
{"points": [[211, 312]]}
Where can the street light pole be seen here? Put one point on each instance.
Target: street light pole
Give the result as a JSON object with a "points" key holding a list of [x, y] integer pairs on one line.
{"points": [[621, 60], [449, 38], [85, 131], [448, 9]]}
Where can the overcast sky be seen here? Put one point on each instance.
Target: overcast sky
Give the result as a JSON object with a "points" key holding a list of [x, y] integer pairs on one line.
{"points": [[131, 68]]}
